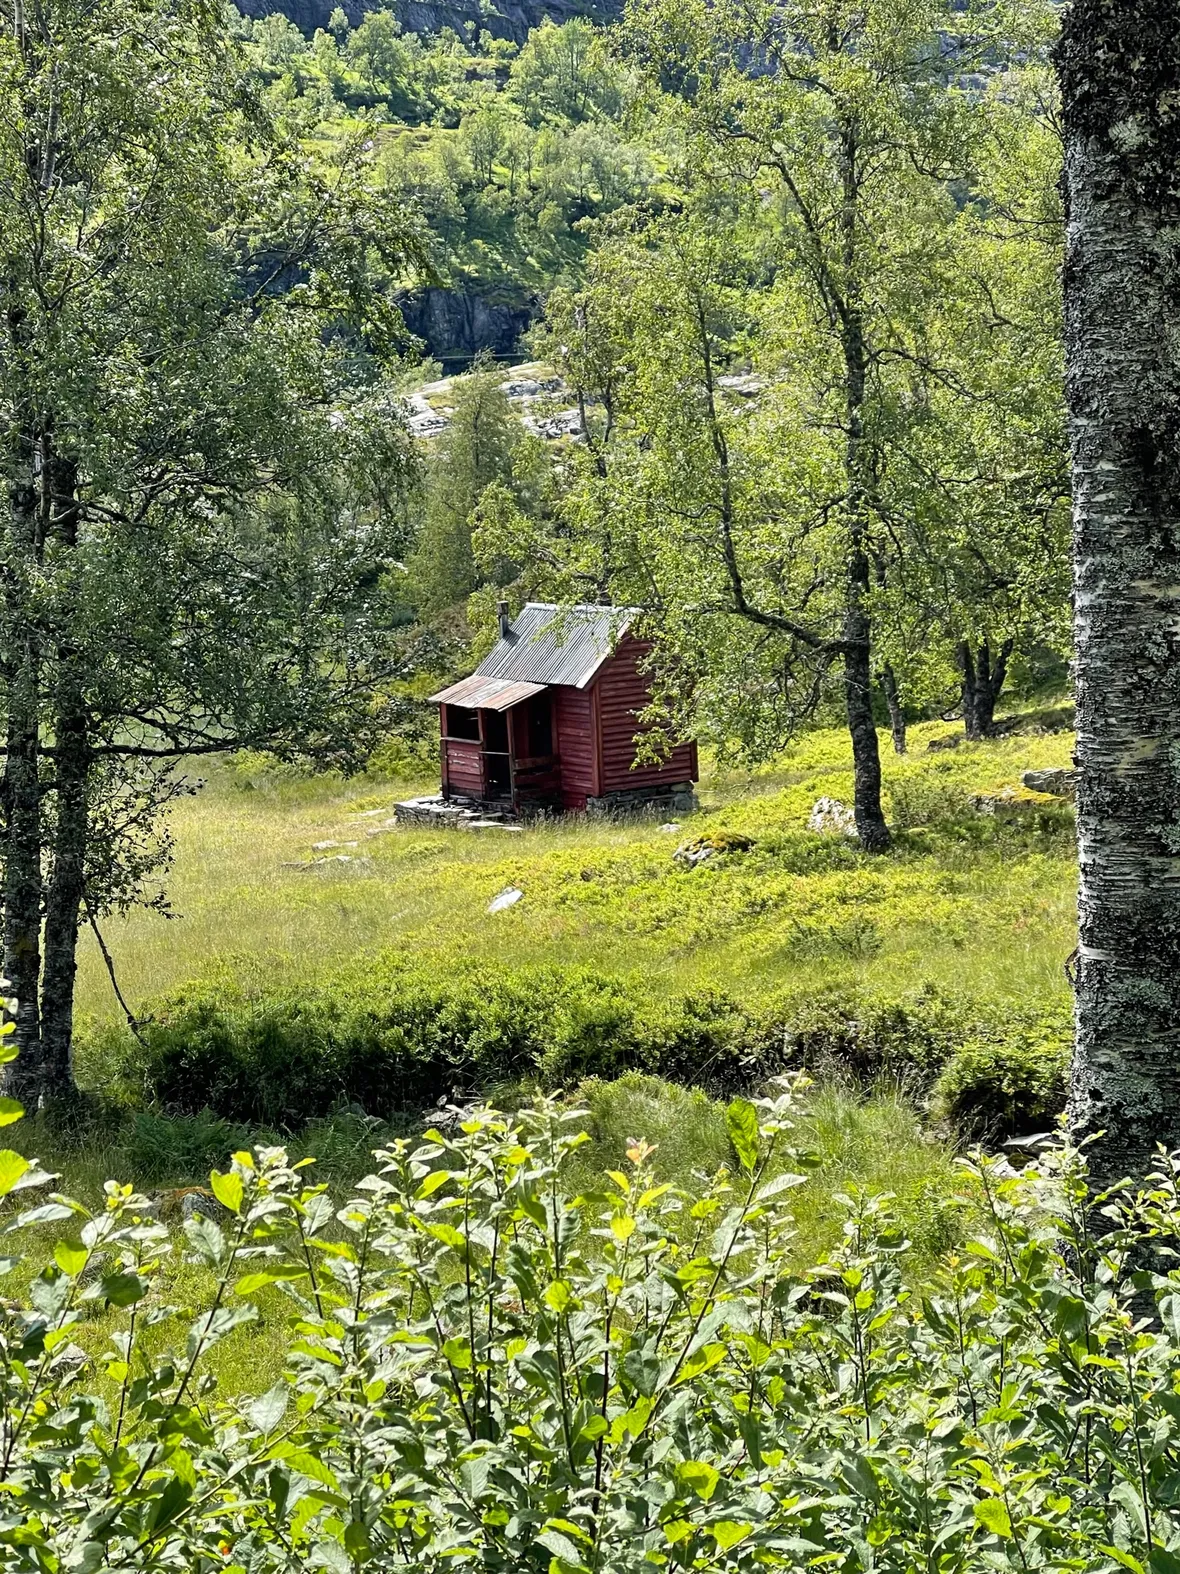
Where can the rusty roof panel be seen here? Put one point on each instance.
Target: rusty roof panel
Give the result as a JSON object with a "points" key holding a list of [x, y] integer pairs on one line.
{"points": [[552, 644], [483, 693]]}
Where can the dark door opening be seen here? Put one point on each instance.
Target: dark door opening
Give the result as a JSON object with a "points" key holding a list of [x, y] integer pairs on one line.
{"points": [[497, 764]]}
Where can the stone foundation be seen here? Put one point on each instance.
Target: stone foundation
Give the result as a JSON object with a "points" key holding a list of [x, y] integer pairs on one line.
{"points": [[676, 798], [441, 813]]}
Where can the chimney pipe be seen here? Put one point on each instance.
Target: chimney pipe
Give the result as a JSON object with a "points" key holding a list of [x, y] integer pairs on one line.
{"points": [[505, 620]]}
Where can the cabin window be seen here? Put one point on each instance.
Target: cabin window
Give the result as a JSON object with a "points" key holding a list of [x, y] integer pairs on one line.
{"points": [[462, 723], [540, 726]]}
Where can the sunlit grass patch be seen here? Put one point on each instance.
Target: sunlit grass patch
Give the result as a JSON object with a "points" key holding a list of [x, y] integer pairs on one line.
{"points": [[963, 899]]}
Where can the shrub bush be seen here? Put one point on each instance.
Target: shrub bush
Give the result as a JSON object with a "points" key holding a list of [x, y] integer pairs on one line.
{"points": [[1001, 1085], [394, 1036], [486, 1369]]}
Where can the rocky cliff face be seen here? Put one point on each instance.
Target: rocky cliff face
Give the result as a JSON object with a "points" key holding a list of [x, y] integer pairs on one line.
{"points": [[506, 19], [454, 324]]}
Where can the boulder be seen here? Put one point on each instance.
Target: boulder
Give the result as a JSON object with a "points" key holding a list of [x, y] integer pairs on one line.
{"points": [[710, 845], [1059, 783], [831, 817]]}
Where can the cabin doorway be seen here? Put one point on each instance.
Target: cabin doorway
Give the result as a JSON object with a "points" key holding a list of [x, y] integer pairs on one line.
{"points": [[497, 759]]}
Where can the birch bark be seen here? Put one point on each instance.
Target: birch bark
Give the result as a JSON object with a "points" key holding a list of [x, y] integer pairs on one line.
{"points": [[1119, 64]]}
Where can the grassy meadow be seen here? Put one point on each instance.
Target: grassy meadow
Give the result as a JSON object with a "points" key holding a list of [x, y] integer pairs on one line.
{"points": [[978, 902], [977, 897]]}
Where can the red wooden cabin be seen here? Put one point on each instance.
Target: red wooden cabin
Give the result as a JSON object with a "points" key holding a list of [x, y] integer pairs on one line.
{"points": [[548, 720]]}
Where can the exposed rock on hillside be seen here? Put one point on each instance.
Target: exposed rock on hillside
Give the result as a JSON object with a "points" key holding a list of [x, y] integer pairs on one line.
{"points": [[539, 399], [454, 324], [508, 19]]}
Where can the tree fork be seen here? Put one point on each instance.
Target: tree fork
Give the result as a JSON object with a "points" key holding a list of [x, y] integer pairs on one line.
{"points": [[1119, 65]]}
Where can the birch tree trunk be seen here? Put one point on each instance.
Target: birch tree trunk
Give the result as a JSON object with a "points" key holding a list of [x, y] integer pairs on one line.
{"points": [[72, 766], [871, 829], [22, 763], [1119, 64], [897, 721]]}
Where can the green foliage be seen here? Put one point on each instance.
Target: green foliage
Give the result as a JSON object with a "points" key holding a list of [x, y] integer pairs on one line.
{"points": [[474, 452], [490, 1364], [398, 1034], [1012, 1083], [840, 347], [503, 151]]}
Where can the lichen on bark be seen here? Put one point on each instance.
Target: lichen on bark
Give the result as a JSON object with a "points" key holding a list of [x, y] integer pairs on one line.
{"points": [[1119, 66]]}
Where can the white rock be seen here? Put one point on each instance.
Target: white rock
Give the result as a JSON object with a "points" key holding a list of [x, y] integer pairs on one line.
{"points": [[689, 855], [506, 898], [672, 825], [323, 847], [832, 816]]}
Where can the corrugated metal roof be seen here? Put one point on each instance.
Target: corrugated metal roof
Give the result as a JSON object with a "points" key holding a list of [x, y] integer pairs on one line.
{"points": [[551, 644], [481, 693]]}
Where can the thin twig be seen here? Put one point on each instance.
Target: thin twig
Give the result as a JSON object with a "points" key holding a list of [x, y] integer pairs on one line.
{"points": [[132, 1020]]}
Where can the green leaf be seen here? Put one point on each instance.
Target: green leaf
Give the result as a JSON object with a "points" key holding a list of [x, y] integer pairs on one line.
{"points": [[124, 1289], [993, 1516], [267, 1412], [70, 1257], [12, 1167], [1125, 1558], [699, 1477], [331, 1555], [741, 1122], [779, 1184], [560, 1546], [227, 1189], [305, 1463], [356, 1541], [249, 1283], [641, 1368], [170, 1502], [557, 1296], [728, 1532], [10, 1110], [702, 1360], [206, 1239]]}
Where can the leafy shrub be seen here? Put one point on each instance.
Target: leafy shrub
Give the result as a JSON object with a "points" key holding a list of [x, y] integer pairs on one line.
{"points": [[1003, 1085], [399, 1036], [855, 936], [395, 1036], [487, 1369], [906, 1038], [926, 799]]}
